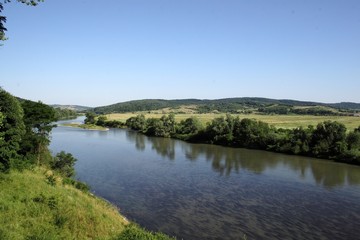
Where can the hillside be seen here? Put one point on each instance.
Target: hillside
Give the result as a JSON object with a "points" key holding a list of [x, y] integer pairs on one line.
{"points": [[35, 205], [76, 108], [235, 105]]}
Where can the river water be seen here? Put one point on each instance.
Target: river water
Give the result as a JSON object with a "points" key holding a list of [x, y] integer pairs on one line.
{"points": [[197, 191]]}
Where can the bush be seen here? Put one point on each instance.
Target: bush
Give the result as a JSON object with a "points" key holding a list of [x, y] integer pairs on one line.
{"points": [[64, 164]]}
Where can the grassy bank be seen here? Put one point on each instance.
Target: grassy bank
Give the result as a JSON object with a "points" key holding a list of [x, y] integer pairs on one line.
{"points": [[35, 204], [279, 121], [85, 126]]}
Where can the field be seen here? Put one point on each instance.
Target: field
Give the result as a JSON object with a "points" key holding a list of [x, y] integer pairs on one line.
{"points": [[280, 121]]}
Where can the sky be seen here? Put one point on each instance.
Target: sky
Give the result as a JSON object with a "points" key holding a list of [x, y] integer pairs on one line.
{"points": [[97, 53]]}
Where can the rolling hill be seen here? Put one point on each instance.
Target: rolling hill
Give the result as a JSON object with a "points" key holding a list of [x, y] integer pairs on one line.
{"points": [[236, 105], [76, 108]]}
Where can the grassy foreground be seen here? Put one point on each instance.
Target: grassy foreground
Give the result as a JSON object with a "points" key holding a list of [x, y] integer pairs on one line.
{"points": [[279, 121], [32, 207]]}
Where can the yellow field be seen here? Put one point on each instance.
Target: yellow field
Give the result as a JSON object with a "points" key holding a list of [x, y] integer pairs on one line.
{"points": [[283, 121]]}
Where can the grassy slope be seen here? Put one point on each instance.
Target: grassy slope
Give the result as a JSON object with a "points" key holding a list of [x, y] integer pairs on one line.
{"points": [[283, 121], [31, 208]]}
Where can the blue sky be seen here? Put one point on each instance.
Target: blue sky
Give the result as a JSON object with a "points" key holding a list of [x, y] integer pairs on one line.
{"points": [[101, 52]]}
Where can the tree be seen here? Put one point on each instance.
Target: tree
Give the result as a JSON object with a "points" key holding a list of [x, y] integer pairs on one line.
{"points": [[64, 163], [169, 124], [101, 120], [328, 139], [2, 27], [251, 133], [12, 130], [353, 140], [190, 125], [38, 119], [90, 118], [137, 123], [220, 130], [3, 18]]}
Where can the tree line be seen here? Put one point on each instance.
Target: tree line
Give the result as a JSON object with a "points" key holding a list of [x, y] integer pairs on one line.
{"points": [[327, 140]]}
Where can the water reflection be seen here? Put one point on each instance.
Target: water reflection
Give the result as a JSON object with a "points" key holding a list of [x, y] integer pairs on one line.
{"points": [[227, 161], [139, 139], [197, 191]]}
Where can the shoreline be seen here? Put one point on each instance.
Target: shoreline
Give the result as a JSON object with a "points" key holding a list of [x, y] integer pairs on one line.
{"points": [[84, 126]]}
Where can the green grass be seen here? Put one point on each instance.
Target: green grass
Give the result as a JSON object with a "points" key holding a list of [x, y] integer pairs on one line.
{"points": [[85, 126], [32, 207], [280, 121]]}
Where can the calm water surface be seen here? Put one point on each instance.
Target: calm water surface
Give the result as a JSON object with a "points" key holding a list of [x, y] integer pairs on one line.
{"points": [[196, 191]]}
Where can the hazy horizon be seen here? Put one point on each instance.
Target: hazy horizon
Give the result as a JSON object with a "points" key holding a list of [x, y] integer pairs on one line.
{"points": [[97, 54], [189, 98]]}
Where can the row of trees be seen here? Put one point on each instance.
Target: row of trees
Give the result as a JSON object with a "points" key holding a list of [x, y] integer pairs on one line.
{"points": [[328, 139]]}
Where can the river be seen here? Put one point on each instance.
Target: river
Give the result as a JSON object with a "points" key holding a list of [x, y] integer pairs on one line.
{"points": [[198, 191]]}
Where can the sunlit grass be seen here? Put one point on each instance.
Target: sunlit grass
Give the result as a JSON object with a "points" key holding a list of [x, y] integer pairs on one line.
{"points": [[31, 208], [280, 121]]}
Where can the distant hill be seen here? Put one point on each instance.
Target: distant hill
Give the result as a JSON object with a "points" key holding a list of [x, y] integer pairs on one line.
{"points": [[235, 105], [76, 108]]}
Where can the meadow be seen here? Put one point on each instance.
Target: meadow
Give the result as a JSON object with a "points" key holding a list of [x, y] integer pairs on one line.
{"points": [[279, 121]]}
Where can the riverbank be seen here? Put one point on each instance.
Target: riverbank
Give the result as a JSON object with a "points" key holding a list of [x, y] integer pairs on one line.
{"points": [[85, 126], [36, 204], [327, 140]]}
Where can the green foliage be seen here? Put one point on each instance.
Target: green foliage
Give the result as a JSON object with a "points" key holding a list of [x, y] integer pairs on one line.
{"points": [[3, 18], [77, 184], [1, 124], [163, 127], [275, 109], [190, 126], [27, 2], [220, 130], [134, 232], [353, 140], [114, 124], [328, 140], [155, 127], [64, 163], [64, 113], [2, 27], [137, 123], [38, 119], [101, 121], [51, 180], [234, 105], [12, 130], [90, 118]]}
